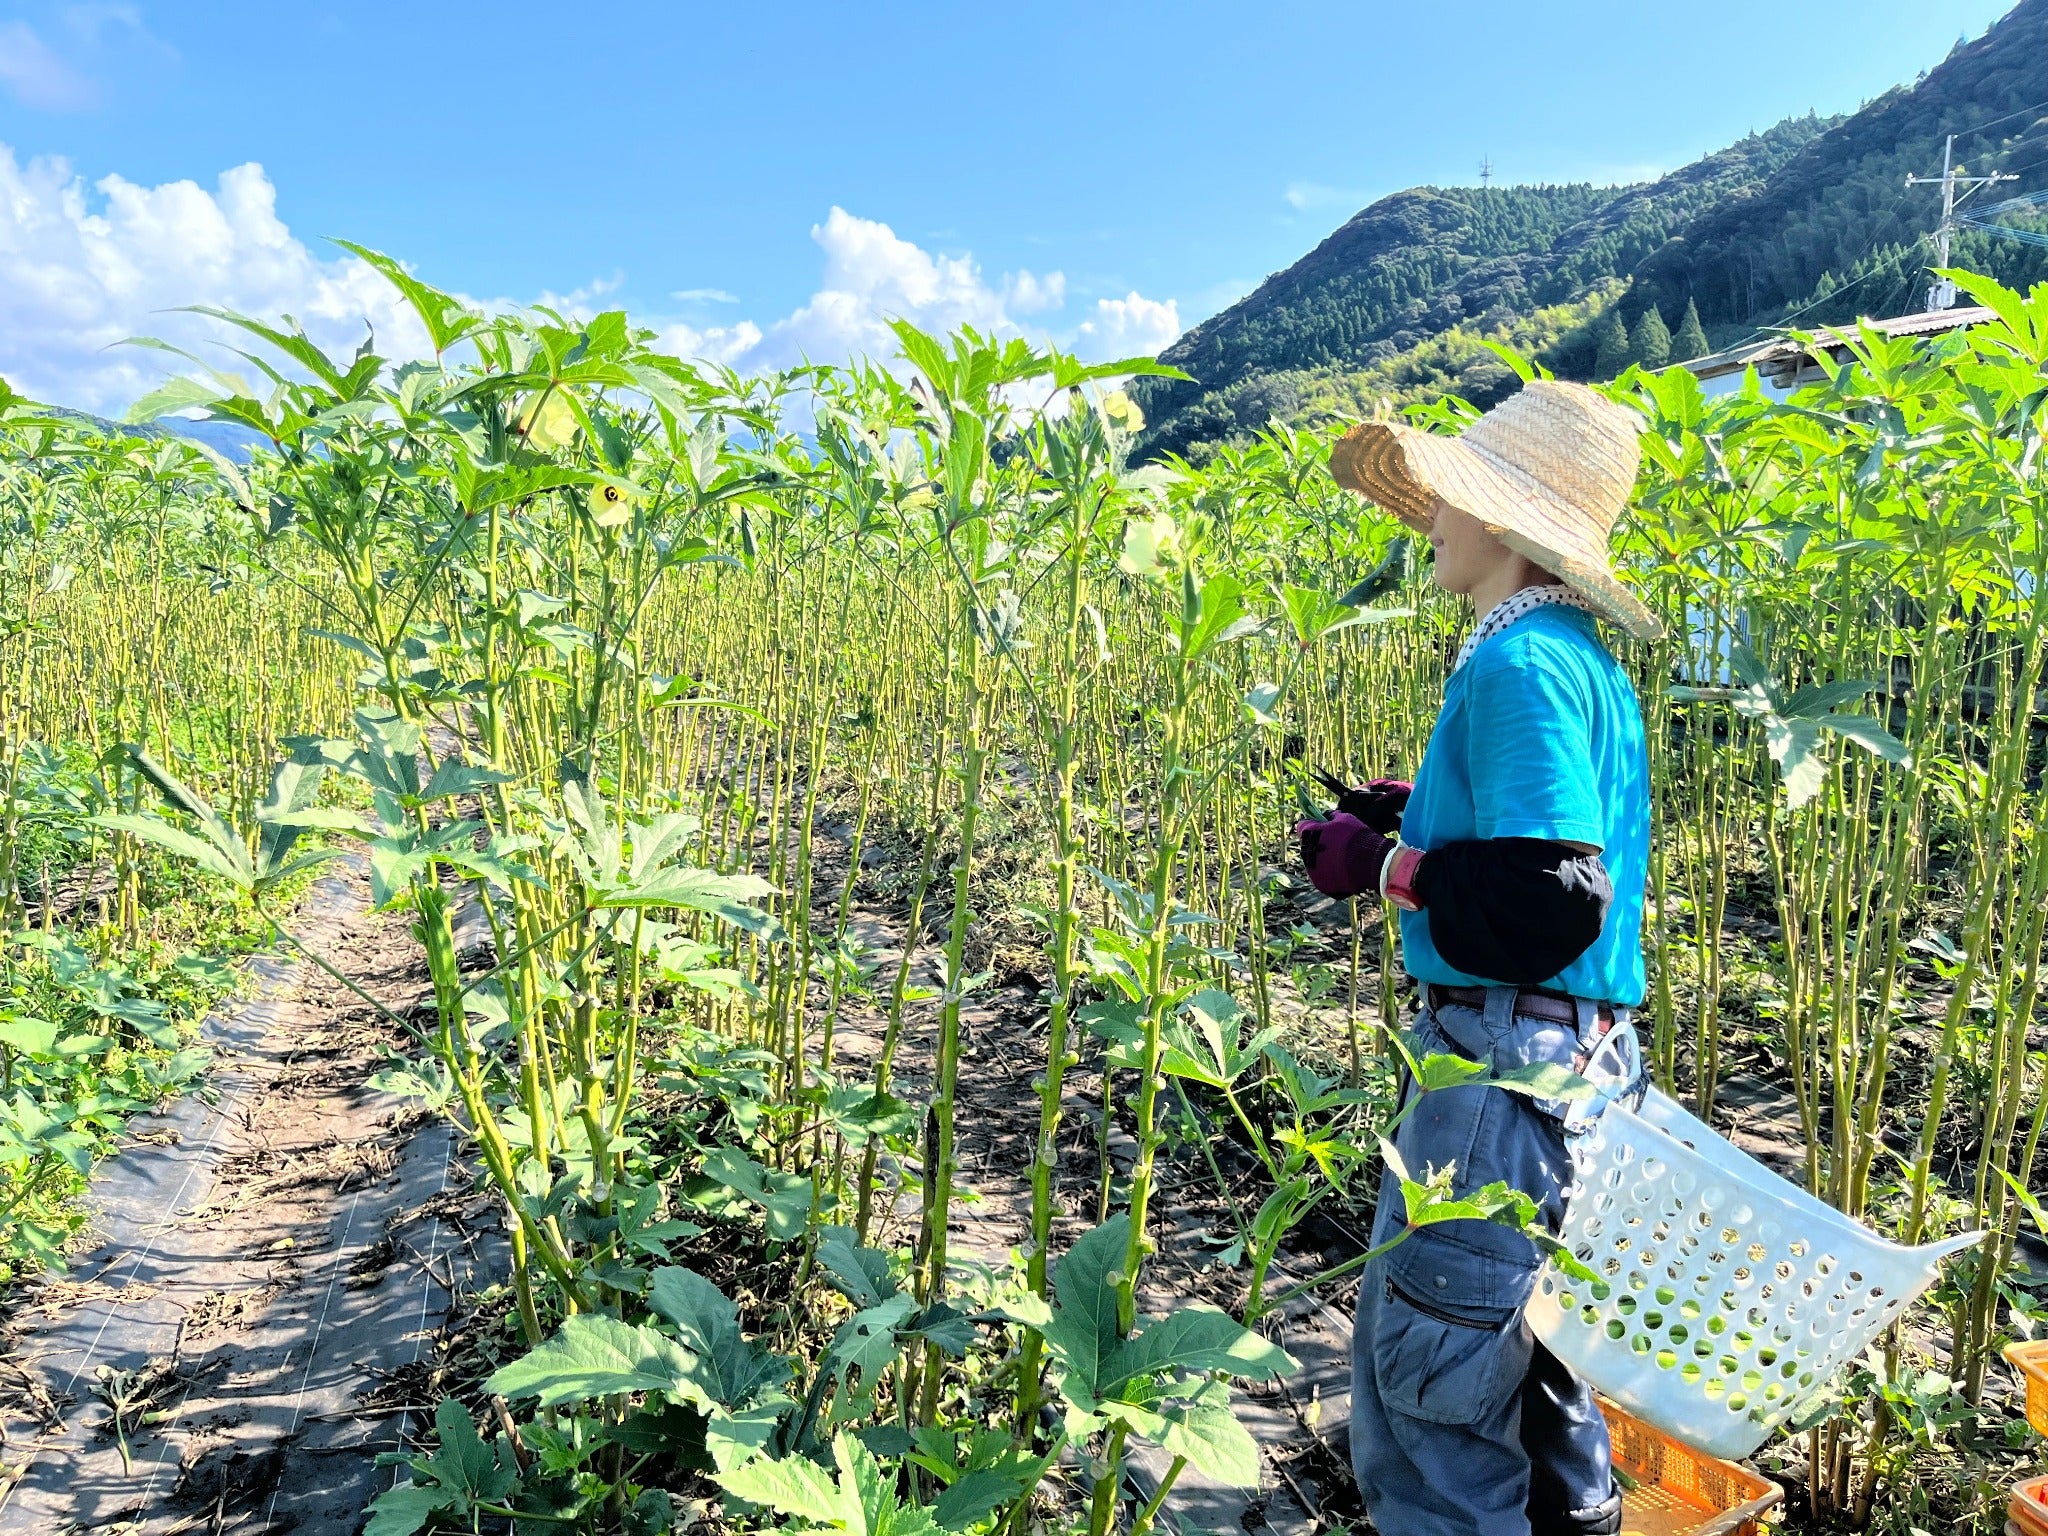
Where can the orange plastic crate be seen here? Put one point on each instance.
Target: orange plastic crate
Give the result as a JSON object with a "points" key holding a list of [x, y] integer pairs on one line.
{"points": [[2031, 1361], [2026, 1512], [1683, 1492]]}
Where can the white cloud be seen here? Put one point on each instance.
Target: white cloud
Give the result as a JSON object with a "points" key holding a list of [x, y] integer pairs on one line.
{"points": [[1131, 326], [80, 273], [705, 296], [873, 275], [723, 344], [36, 77], [90, 21], [82, 268], [579, 303], [90, 40], [1025, 294]]}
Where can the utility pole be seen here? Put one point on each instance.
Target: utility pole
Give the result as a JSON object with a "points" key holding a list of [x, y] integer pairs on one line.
{"points": [[1942, 294], [1485, 172]]}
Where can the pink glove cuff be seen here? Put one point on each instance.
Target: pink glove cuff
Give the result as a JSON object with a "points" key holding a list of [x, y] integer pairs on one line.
{"points": [[1397, 878]]}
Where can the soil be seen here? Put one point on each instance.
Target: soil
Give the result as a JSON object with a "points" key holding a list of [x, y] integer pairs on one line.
{"points": [[1302, 1424], [266, 1254], [288, 1277]]}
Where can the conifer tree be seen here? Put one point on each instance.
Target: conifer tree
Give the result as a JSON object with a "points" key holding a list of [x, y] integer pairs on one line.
{"points": [[1610, 337], [1650, 343], [1691, 340]]}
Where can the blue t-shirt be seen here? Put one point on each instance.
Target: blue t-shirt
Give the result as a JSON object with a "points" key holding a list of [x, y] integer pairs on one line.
{"points": [[1541, 736]]}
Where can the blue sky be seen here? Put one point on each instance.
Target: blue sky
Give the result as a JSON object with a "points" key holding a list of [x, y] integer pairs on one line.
{"points": [[1100, 173]]}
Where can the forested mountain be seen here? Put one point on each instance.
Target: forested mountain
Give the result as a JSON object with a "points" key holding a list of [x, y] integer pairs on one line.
{"points": [[1838, 229], [1806, 223]]}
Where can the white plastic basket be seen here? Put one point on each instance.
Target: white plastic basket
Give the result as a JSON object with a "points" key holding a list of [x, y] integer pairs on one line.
{"points": [[1728, 1298]]}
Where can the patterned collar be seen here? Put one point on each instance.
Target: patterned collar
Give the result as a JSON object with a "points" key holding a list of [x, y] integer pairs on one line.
{"points": [[1507, 610]]}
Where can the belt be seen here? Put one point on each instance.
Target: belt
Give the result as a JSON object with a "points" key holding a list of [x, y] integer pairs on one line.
{"points": [[1551, 1006]]}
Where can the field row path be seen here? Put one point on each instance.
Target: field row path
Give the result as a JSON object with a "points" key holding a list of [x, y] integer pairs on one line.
{"points": [[272, 1263]]}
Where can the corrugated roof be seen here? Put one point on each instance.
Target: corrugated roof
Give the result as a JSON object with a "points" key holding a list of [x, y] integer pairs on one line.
{"points": [[1785, 352], [1932, 321]]}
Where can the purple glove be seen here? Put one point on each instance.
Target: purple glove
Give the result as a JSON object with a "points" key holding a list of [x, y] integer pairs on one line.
{"points": [[1379, 804], [1343, 855]]}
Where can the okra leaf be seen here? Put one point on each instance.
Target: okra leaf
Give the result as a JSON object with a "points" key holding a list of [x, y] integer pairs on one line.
{"points": [[229, 860], [674, 1429], [446, 318], [1086, 1319], [1445, 1071], [1816, 700], [453, 778], [1209, 1435], [464, 1464], [1871, 735], [1560, 1255], [30, 1036], [975, 1495], [945, 1326], [730, 1370], [592, 1355], [861, 1114], [1795, 748], [1544, 1080], [406, 1508], [793, 1487], [1195, 1338], [867, 1341], [734, 1439], [1499, 1202], [2026, 1198], [394, 861], [348, 642], [1118, 1021], [146, 1017], [1260, 703], [697, 890], [864, 1276]]}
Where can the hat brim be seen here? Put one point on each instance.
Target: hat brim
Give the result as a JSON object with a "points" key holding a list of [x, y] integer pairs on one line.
{"points": [[1405, 469]]}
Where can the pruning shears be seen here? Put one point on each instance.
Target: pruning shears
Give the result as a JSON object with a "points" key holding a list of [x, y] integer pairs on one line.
{"points": [[1367, 804]]}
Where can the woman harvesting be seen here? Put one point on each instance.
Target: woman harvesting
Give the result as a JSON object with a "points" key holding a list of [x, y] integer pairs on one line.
{"points": [[1518, 860]]}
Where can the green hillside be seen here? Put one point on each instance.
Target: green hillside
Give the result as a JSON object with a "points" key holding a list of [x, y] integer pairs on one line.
{"points": [[1808, 222], [1836, 232]]}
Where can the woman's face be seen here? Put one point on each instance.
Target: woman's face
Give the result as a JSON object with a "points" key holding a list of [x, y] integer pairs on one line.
{"points": [[1465, 551]]}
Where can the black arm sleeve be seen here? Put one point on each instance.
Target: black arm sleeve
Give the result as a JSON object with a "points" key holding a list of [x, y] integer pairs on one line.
{"points": [[1516, 910]]}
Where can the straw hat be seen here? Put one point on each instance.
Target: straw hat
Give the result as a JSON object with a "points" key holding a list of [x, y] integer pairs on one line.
{"points": [[1548, 471]]}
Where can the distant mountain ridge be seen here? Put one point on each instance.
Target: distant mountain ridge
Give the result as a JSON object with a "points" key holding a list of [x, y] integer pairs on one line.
{"points": [[1809, 221], [1839, 213], [229, 438]]}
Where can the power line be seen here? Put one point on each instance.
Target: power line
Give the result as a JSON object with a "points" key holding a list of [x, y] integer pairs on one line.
{"points": [[1869, 245], [1785, 321], [1994, 122], [1884, 225], [2026, 202], [1942, 295], [2029, 166]]}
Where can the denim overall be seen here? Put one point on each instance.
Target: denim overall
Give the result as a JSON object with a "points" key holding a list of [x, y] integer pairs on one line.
{"points": [[1461, 1422]]}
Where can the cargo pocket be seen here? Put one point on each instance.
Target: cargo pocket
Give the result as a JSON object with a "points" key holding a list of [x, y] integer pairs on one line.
{"points": [[1444, 1366]]}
